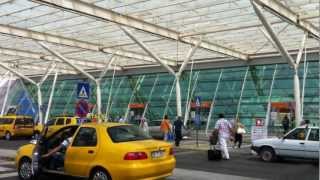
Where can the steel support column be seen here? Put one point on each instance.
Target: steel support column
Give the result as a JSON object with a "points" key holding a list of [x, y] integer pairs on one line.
{"points": [[266, 124], [178, 97], [150, 96], [4, 104], [178, 75], [115, 95], [241, 93], [98, 89], [188, 104], [51, 97], [287, 56], [169, 98], [297, 97], [110, 94], [107, 67], [213, 102], [40, 112], [136, 88]]}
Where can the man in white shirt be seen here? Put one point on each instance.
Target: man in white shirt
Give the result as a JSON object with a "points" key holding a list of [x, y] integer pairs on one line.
{"points": [[224, 128]]}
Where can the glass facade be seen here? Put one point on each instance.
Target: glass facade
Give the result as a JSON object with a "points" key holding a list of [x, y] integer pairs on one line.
{"points": [[255, 80]]}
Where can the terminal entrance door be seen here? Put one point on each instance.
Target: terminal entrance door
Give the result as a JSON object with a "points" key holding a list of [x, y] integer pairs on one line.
{"points": [[135, 112], [279, 110]]}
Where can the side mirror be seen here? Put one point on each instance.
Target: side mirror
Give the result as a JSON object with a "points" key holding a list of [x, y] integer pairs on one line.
{"points": [[284, 137], [33, 142]]}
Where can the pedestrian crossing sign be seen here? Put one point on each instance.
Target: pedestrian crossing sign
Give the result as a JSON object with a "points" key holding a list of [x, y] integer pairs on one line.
{"points": [[83, 90], [198, 102]]}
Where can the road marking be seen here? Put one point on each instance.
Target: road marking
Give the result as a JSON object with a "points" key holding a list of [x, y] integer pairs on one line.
{"points": [[14, 174], [187, 174], [4, 169], [6, 163]]}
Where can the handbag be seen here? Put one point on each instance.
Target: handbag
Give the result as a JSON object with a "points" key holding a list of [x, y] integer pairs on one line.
{"points": [[213, 139], [241, 130], [170, 136]]}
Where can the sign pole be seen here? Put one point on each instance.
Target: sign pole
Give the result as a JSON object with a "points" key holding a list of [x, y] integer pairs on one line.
{"points": [[198, 118], [197, 131]]}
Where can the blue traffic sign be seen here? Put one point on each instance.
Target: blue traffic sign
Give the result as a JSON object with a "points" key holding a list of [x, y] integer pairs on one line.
{"points": [[198, 102], [83, 90]]}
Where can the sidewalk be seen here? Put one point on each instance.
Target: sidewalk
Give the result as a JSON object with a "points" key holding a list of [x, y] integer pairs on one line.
{"points": [[203, 145]]}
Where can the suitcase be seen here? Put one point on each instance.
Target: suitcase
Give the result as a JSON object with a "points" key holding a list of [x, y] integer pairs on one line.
{"points": [[214, 154]]}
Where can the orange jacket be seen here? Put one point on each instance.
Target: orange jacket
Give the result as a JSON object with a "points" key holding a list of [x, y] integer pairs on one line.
{"points": [[165, 126]]}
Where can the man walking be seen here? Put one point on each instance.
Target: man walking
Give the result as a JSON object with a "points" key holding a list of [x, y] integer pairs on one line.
{"points": [[224, 128], [177, 125]]}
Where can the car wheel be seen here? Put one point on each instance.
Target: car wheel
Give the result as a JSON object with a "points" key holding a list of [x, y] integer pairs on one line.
{"points": [[7, 136], [25, 170], [267, 154], [100, 174]]}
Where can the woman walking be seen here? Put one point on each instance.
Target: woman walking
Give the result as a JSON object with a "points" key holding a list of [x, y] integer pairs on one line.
{"points": [[239, 131]]}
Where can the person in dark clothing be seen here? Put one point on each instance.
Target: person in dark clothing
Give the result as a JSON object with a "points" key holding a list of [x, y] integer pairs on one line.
{"points": [[285, 124], [178, 125]]}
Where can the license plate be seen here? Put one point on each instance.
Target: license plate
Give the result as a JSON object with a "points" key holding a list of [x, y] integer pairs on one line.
{"points": [[157, 154]]}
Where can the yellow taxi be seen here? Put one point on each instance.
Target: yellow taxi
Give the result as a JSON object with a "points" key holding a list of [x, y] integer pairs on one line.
{"points": [[13, 125], [55, 124], [98, 152]]}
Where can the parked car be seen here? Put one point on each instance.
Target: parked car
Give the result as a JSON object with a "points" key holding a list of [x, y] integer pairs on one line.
{"points": [[300, 142], [13, 126], [55, 124], [99, 151], [154, 130]]}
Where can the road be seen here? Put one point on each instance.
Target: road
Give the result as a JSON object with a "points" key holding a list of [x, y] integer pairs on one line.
{"points": [[193, 165], [13, 144]]}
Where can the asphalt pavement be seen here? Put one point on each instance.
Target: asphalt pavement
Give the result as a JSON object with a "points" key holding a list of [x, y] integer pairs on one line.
{"points": [[193, 165], [13, 144]]}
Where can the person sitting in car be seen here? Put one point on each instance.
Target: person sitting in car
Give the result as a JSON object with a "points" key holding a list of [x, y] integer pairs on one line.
{"points": [[57, 154]]}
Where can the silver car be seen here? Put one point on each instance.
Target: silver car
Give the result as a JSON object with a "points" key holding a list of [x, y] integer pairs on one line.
{"points": [[154, 130], [300, 142]]}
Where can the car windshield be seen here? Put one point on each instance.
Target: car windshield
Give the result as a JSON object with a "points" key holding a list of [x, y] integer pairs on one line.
{"points": [[154, 123], [6, 121], [126, 133]]}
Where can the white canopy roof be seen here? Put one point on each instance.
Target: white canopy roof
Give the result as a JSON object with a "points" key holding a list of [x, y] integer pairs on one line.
{"points": [[87, 32]]}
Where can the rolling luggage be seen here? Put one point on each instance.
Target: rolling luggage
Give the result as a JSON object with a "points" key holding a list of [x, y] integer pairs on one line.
{"points": [[214, 154]]}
